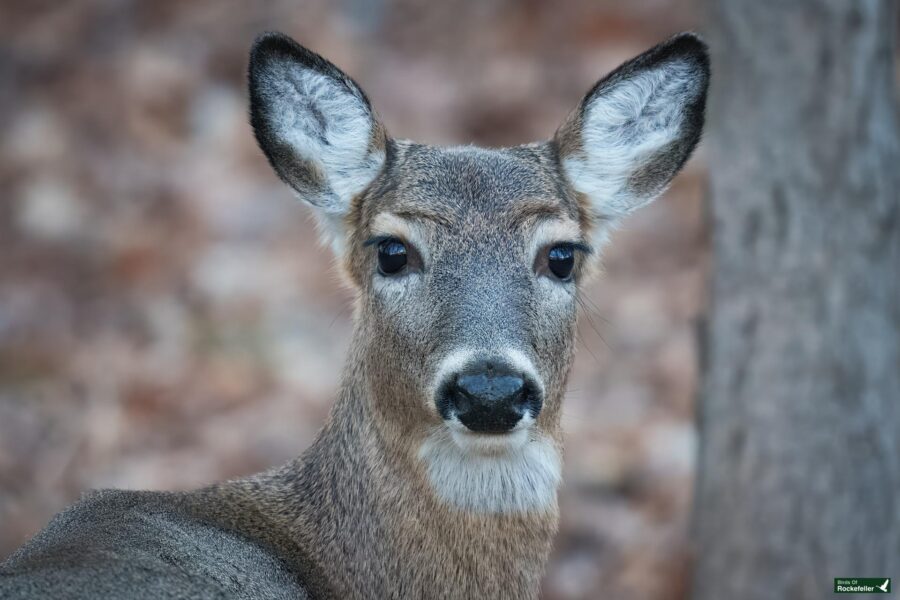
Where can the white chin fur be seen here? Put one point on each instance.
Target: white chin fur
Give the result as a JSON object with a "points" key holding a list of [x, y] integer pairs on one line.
{"points": [[515, 472]]}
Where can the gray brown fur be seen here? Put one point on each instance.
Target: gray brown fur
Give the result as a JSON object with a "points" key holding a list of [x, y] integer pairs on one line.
{"points": [[355, 516]]}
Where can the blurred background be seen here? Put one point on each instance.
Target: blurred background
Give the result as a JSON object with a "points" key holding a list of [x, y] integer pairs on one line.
{"points": [[167, 318]]}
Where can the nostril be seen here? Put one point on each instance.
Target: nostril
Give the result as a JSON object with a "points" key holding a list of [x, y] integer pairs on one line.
{"points": [[462, 401]]}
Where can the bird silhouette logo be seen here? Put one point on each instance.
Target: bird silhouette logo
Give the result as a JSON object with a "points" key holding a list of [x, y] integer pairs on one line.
{"points": [[884, 587]]}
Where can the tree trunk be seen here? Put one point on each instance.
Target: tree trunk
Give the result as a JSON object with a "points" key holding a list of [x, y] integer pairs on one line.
{"points": [[799, 477]]}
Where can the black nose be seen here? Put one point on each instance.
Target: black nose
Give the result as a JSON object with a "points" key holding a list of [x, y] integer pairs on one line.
{"points": [[489, 397]]}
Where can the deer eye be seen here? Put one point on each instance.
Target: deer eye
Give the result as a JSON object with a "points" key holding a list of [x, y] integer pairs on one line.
{"points": [[392, 256], [561, 261]]}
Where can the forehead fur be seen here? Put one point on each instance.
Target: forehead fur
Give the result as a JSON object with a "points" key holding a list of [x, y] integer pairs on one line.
{"points": [[468, 185]]}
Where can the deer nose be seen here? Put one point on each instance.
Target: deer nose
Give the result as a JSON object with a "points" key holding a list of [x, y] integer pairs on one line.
{"points": [[490, 398]]}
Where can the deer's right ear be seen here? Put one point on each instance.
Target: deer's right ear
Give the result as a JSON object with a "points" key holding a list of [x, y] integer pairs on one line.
{"points": [[315, 125], [635, 129]]}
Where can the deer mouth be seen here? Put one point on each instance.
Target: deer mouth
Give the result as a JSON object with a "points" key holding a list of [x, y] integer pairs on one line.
{"points": [[478, 442]]}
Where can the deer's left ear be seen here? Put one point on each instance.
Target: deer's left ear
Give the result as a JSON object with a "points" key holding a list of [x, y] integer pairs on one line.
{"points": [[636, 128], [315, 126]]}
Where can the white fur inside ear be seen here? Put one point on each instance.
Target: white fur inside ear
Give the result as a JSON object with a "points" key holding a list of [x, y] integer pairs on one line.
{"points": [[623, 127], [522, 478], [326, 124]]}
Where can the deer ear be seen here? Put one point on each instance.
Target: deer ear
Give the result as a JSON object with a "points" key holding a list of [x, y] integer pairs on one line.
{"points": [[635, 129], [315, 125]]}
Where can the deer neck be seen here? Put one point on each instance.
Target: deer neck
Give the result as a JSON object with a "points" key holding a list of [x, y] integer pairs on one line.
{"points": [[362, 505]]}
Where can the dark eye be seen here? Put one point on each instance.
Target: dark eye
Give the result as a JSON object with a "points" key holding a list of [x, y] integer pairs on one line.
{"points": [[391, 256], [561, 260]]}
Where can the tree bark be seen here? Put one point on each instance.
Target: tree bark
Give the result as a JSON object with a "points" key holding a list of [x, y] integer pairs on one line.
{"points": [[799, 471]]}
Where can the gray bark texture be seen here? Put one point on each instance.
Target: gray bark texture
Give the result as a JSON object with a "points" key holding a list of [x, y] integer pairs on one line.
{"points": [[799, 470]]}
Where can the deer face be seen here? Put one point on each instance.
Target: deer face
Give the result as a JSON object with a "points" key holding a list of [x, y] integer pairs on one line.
{"points": [[468, 261]]}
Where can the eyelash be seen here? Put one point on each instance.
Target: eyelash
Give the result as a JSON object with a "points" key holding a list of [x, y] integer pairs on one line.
{"points": [[580, 246], [375, 240]]}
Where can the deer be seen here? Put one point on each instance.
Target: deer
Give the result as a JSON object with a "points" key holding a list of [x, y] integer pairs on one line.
{"points": [[436, 473]]}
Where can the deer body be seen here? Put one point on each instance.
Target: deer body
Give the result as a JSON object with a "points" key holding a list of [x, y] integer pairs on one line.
{"points": [[328, 519], [436, 473]]}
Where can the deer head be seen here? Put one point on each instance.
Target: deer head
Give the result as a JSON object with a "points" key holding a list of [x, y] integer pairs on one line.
{"points": [[468, 261]]}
